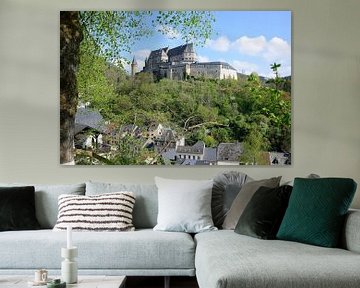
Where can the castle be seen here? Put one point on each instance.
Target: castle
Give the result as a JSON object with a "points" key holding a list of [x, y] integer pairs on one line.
{"points": [[180, 62]]}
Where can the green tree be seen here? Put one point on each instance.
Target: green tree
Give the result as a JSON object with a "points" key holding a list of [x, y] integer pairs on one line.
{"points": [[131, 152], [112, 33], [94, 84], [254, 145], [277, 81]]}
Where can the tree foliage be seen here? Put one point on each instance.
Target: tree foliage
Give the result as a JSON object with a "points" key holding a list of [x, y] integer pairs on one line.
{"points": [[111, 33], [214, 111], [115, 32]]}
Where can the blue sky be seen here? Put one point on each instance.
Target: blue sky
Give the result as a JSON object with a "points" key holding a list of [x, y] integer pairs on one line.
{"points": [[248, 40]]}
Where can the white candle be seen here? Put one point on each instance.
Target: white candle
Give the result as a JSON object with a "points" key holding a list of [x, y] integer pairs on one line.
{"points": [[69, 239]]}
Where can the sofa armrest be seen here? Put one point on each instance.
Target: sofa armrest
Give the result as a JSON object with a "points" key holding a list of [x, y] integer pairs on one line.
{"points": [[351, 234]]}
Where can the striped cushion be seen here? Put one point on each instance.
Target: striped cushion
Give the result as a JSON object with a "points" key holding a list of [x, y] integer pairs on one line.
{"points": [[105, 212]]}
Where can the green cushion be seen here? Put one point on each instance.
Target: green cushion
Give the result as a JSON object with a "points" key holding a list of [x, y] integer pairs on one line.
{"points": [[316, 211]]}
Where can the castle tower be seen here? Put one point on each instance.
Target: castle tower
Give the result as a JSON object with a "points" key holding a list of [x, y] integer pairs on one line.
{"points": [[134, 66]]}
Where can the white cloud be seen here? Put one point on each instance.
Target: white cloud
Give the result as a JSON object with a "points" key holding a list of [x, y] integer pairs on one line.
{"points": [[277, 49], [201, 58], [244, 67], [250, 46], [169, 32], [221, 44], [274, 50]]}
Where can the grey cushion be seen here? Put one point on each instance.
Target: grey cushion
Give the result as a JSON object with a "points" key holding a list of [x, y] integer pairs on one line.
{"points": [[243, 198], [146, 204], [226, 187], [46, 200], [225, 259], [144, 249], [351, 234], [263, 214], [184, 205]]}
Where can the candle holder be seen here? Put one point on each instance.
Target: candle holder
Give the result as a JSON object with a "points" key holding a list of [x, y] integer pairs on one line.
{"points": [[69, 271]]}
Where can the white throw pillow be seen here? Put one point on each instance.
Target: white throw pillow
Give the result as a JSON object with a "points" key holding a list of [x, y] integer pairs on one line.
{"points": [[184, 205], [104, 212]]}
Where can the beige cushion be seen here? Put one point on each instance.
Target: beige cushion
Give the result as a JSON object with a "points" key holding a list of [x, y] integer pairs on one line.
{"points": [[243, 198]]}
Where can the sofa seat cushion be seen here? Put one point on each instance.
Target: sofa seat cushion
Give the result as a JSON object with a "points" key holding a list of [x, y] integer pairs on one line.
{"points": [[142, 249], [226, 259]]}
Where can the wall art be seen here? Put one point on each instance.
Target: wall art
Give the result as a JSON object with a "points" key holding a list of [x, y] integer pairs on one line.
{"points": [[175, 88]]}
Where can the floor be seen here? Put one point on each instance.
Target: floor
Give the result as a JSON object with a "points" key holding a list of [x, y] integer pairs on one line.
{"points": [[158, 282]]}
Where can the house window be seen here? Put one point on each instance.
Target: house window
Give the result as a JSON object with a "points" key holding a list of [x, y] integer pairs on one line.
{"points": [[198, 157]]}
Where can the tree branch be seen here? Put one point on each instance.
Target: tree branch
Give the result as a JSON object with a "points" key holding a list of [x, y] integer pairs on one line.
{"points": [[206, 123]]}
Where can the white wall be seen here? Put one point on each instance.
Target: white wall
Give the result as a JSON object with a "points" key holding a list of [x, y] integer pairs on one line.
{"points": [[326, 85]]}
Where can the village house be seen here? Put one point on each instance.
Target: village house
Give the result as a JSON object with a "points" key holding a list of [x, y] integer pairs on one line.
{"points": [[229, 153], [89, 129]]}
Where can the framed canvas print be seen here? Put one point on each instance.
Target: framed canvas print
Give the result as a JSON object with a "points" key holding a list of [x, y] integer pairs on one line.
{"points": [[175, 88]]}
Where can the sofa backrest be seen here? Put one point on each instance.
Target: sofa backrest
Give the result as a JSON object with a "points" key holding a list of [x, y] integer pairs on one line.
{"points": [[46, 200], [146, 203]]}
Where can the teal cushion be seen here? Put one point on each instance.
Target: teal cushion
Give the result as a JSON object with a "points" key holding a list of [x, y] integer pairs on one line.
{"points": [[316, 211]]}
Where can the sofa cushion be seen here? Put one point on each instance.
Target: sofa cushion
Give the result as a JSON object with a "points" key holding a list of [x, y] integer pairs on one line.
{"points": [[317, 209], [225, 189], [184, 205], [350, 239], [263, 215], [46, 200], [146, 205], [225, 259], [17, 208], [105, 212], [136, 250], [243, 198]]}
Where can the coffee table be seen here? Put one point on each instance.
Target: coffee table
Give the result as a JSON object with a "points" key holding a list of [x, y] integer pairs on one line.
{"points": [[84, 281]]}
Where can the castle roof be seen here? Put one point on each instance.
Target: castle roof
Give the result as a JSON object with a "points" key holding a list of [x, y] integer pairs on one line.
{"points": [[158, 52], [224, 64], [181, 49]]}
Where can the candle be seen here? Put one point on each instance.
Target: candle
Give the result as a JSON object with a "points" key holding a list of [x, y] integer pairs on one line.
{"points": [[69, 239]]}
